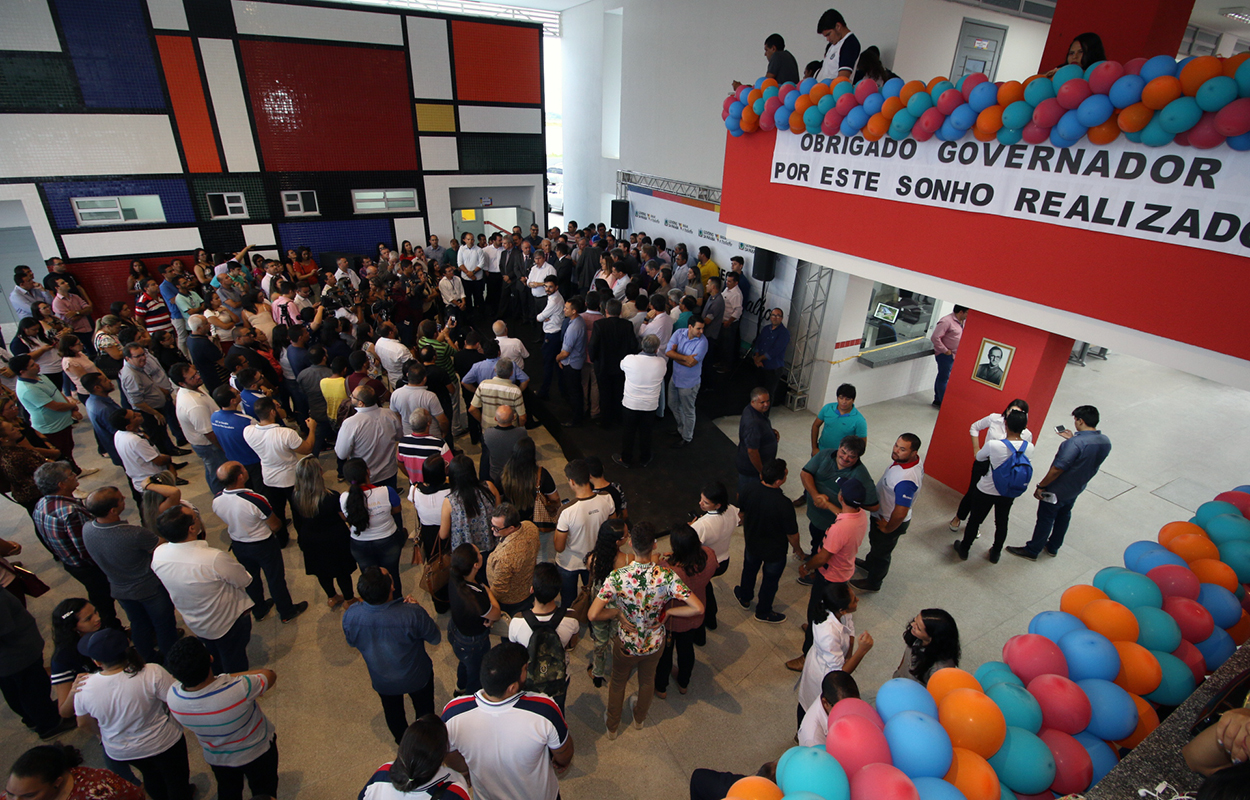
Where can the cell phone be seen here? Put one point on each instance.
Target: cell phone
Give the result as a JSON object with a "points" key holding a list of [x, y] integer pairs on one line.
{"points": [[1060, 429]]}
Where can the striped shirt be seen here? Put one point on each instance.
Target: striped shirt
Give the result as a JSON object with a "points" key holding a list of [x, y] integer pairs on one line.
{"points": [[414, 450], [59, 521], [225, 718], [152, 313], [380, 787], [496, 392]]}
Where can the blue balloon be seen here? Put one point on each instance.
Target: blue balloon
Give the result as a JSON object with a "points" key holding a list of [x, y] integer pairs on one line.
{"points": [[1216, 649], [1068, 128], [1100, 753], [1103, 575], [1138, 549], [919, 745], [1156, 629], [1180, 65], [1131, 590], [1177, 684], [1126, 91], [815, 771], [1214, 508], [1223, 605], [1014, 135], [826, 103], [1059, 141], [1090, 655], [1019, 708], [736, 108], [1024, 763], [872, 104], [902, 694], [812, 118], [963, 117], [1216, 93], [733, 124], [1054, 624], [893, 87], [1179, 115], [949, 133], [1114, 714], [919, 103], [1158, 66], [1243, 488], [1017, 115], [1094, 110], [858, 118], [1228, 527], [782, 117], [1066, 73], [1037, 92], [847, 129], [1157, 558], [806, 85], [984, 95], [736, 132], [936, 788], [759, 82], [743, 93]]}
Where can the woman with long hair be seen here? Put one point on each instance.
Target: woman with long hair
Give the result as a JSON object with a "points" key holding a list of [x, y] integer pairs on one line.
{"points": [[74, 363], [136, 276], [125, 312], [32, 340], [694, 563], [305, 269], [257, 313], [375, 520], [221, 318], [473, 610], [605, 557], [1085, 50], [932, 640], [406, 252], [834, 646], [995, 427], [418, 771], [160, 494], [870, 66], [203, 268], [126, 701], [324, 538], [427, 495], [466, 511], [51, 324], [55, 772], [528, 486]]}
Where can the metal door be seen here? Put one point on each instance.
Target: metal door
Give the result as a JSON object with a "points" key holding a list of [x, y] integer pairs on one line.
{"points": [[979, 48]]}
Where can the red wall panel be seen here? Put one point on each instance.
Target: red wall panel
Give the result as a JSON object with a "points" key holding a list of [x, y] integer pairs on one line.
{"points": [[195, 129], [1157, 288], [1128, 28], [105, 281], [322, 108], [497, 63]]}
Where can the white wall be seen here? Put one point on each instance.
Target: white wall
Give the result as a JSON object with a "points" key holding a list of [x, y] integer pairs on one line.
{"points": [[929, 35]]}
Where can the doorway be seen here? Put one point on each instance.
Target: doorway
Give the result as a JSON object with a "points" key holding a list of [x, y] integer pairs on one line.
{"points": [[17, 246], [979, 48]]}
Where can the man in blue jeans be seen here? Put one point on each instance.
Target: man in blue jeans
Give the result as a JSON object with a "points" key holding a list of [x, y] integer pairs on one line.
{"points": [[768, 523], [551, 318], [1077, 461], [945, 338]]}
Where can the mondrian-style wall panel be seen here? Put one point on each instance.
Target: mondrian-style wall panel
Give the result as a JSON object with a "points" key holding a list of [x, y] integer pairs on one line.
{"points": [[112, 53], [497, 63]]}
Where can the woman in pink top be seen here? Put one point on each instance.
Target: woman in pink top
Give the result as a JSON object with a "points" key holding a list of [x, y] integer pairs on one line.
{"points": [[694, 564]]}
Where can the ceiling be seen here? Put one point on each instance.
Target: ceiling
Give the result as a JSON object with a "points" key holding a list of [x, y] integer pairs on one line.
{"points": [[1206, 14]]}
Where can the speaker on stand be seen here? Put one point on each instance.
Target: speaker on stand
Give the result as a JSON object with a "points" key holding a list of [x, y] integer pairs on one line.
{"points": [[764, 265], [620, 215]]}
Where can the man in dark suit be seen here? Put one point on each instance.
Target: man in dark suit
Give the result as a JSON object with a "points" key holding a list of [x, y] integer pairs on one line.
{"points": [[587, 264], [611, 339], [510, 265], [566, 270]]}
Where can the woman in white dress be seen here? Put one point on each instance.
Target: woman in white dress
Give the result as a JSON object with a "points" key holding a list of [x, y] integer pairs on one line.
{"points": [[834, 646]]}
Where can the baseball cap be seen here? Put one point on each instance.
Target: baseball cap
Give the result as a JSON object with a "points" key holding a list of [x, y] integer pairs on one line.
{"points": [[852, 492], [107, 645]]}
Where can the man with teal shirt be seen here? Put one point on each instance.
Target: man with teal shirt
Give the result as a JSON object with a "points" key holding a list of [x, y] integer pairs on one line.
{"points": [[821, 477], [839, 420], [51, 413]]}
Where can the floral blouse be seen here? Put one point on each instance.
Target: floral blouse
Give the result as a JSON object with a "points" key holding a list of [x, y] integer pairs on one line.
{"points": [[640, 592]]}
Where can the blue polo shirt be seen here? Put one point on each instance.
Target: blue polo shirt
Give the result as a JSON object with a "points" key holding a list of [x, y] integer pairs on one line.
{"points": [[838, 426], [99, 409], [169, 291], [688, 377], [228, 427], [574, 344], [1079, 458], [485, 370]]}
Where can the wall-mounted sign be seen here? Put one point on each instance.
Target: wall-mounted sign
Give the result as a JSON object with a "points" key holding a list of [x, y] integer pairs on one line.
{"points": [[486, 202]]}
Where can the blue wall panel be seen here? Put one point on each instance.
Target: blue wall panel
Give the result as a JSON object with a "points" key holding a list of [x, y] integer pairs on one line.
{"points": [[351, 236], [112, 54], [174, 198]]}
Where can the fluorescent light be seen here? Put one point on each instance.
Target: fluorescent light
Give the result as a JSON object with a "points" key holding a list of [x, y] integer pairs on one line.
{"points": [[1239, 13]]}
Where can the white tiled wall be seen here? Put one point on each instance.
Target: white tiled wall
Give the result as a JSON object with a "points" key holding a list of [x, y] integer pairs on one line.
{"points": [[120, 243], [431, 61], [333, 24], [225, 89], [86, 144]]}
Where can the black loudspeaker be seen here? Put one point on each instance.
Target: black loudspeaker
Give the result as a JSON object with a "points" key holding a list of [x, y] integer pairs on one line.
{"points": [[620, 214], [764, 266]]}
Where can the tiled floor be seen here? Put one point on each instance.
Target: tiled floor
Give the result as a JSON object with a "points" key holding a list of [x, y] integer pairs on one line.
{"points": [[1176, 443]]}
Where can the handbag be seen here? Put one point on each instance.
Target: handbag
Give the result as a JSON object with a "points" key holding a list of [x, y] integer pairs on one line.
{"points": [[580, 609], [545, 512], [437, 571], [110, 366], [30, 581]]}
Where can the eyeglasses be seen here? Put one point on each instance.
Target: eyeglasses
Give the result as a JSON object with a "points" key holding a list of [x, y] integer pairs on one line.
{"points": [[497, 529]]}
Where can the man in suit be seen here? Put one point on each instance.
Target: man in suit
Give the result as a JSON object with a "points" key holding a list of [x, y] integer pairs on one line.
{"points": [[587, 264], [611, 339], [566, 270], [511, 264]]}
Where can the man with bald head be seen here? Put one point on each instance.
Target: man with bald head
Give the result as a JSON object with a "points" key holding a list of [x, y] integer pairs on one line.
{"points": [[497, 443], [509, 347], [372, 433]]}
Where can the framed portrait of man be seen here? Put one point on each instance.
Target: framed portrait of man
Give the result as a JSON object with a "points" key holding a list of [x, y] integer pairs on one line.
{"points": [[993, 363]]}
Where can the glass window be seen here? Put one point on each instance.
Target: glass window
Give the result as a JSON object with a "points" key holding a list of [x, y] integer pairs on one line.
{"points": [[122, 210], [377, 201], [226, 204], [896, 315], [300, 203]]}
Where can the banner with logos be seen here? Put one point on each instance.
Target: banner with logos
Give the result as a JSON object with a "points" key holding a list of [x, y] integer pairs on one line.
{"points": [[1174, 194]]}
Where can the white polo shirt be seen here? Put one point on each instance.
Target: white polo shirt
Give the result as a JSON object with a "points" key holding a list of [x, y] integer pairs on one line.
{"points": [[507, 744], [276, 445], [195, 411], [137, 455], [393, 354], [581, 520], [716, 530], [815, 727], [644, 379], [205, 584], [514, 349], [245, 514]]}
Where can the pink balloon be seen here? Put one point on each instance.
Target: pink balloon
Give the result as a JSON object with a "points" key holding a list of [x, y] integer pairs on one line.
{"points": [[1134, 66], [845, 103], [1046, 794], [730, 100], [1193, 659], [1105, 74], [1031, 654], [1182, 138], [855, 742], [971, 82], [1239, 499], [1073, 93], [931, 120], [1194, 620], [949, 101], [920, 133], [829, 127], [865, 88], [882, 782], [1047, 113], [1174, 580], [768, 122], [1073, 767], [1234, 120], [1034, 133], [853, 705], [1065, 707]]}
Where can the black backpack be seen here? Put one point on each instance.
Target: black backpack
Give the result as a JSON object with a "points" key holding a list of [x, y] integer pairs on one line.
{"points": [[548, 667]]}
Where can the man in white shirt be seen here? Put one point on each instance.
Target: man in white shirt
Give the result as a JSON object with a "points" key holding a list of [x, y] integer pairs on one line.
{"points": [[538, 274], [515, 744], [730, 323], [207, 586], [195, 411], [577, 529], [545, 609], [551, 318], [470, 262], [490, 255], [251, 525], [346, 273], [139, 456], [509, 347], [451, 288], [644, 381], [280, 449], [392, 352], [657, 321], [842, 50], [373, 434]]}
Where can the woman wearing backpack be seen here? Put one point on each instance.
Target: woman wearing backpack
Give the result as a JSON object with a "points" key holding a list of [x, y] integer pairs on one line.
{"points": [[995, 427], [1009, 467]]}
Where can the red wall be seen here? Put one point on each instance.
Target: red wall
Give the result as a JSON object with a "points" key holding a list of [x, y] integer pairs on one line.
{"points": [[105, 281], [1128, 28]]}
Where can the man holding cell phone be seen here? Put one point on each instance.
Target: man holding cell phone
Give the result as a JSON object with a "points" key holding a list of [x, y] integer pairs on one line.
{"points": [[1077, 462]]}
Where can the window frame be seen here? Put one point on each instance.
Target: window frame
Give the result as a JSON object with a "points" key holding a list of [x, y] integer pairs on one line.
{"points": [[242, 201], [386, 200], [120, 219], [298, 195]]}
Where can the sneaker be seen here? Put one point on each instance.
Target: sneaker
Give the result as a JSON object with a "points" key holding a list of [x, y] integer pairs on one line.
{"points": [[633, 701], [864, 586], [960, 551], [64, 726], [746, 604], [616, 457], [611, 733], [1023, 552], [806, 580], [261, 611], [299, 608], [771, 617], [953, 525], [598, 682]]}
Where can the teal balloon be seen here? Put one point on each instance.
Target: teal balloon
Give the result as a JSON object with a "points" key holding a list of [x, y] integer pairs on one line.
{"points": [[1020, 708], [1214, 508], [804, 796], [1242, 76], [1216, 649], [1223, 605], [1133, 136], [1037, 91], [1156, 629], [936, 788], [904, 117], [989, 667], [1009, 135], [1005, 793], [1227, 528], [815, 771], [758, 106], [1065, 74], [1100, 753], [842, 88], [899, 130], [1018, 114], [903, 694], [1054, 624], [1177, 684], [1179, 115], [1153, 135], [771, 91], [1103, 575], [1132, 590], [1236, 554], [938, 88], [1024, 763], [919, 103], [812, 118], [1113, 713], [1216, 93], [919, 745], [1090, 655], [827, 102]]}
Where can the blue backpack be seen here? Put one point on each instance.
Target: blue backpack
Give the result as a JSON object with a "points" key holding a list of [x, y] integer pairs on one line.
{"points": [[1012, 476]]}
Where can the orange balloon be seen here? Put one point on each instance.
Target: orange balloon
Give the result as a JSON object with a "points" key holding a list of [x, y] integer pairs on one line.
{"points": [[1140, 672], [983, 135], [1105, 133], [1173, 529], [891, 107], [910, 88], [1134, 118], [944, 681], [769, 83], [839, 79], [749, 115], [878, 125], [935, 82], [1010, 92], [754, 95], [802, 104], [1210, 570], [973, 721], [1198, 71], [973, 775], [1147, 721], [1233, 62], [1076, 597], [796, 122], [991, 119], [1161, 91], [1192, 547], [749, 125], [870, 136], [1241, 631], [754, 787], [818, 91], [1111, 619]]}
